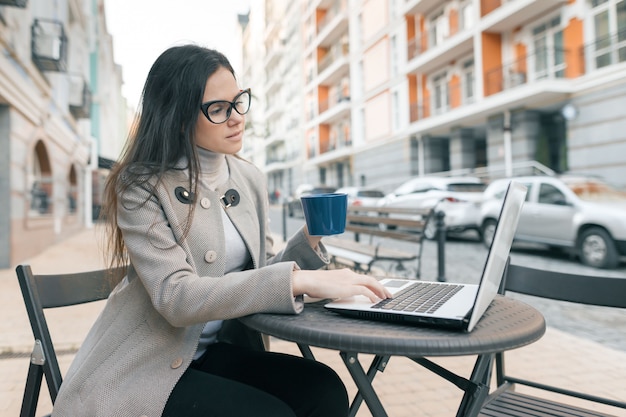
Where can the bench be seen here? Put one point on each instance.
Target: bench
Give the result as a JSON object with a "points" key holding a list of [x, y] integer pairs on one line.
{"points": [[374, 231]]}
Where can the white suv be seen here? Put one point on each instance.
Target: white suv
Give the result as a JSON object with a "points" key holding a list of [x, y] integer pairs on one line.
{"points": [[458, 197], [582, 214]]}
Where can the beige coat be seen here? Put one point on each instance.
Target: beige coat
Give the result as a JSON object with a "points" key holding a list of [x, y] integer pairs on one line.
{"points": [[148, 332]]}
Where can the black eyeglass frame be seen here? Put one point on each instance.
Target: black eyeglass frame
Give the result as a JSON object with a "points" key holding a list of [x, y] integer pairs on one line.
{"points": [[231, 105]]}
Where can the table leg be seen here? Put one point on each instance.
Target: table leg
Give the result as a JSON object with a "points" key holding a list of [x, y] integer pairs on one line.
{"points": [[363, 382], [475, 389], [474, 398], [306, 352]]}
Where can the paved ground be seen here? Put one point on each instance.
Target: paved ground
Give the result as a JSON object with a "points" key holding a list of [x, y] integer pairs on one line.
{"points": [[405, 389]]}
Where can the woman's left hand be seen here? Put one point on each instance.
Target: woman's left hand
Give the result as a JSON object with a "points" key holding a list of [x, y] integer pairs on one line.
{"points": [[337, 283]]}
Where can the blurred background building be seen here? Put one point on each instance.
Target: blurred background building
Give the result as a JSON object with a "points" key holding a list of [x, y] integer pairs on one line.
{"points": [[62, 119], [345, 92], [373, 92]]}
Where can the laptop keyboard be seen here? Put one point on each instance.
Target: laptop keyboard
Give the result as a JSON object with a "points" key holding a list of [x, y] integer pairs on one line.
{"points": [[423, 297]]}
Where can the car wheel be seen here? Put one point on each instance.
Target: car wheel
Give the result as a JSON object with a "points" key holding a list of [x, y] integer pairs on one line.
{"points": [[596, 248], [487, 231]]}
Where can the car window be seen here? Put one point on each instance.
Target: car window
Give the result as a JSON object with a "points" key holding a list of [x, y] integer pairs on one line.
{"points": [[549, 194], [370, 193], [466, 187]]}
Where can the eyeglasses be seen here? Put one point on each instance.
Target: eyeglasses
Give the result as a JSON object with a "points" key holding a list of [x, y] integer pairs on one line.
{"points": [[219, 111]]}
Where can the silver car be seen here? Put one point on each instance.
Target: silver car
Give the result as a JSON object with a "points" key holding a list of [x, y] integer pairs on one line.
{"points": [[578, 213], [457, 197]]}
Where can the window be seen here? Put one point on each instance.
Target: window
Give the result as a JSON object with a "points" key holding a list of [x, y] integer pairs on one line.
{"points": [[40, 182], [549, 52], [72, 192], [468, 81], [440, 93], [438, 29], [395, 110], [466, 15], [609, 25], [549, 194], [394, 55]]}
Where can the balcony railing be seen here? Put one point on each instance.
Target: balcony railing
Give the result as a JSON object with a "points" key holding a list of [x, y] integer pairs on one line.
{"points": [[49, 45], [545, 64], [327, 104], [455, 95], [335, 53], [330, 15], [420, 44]]}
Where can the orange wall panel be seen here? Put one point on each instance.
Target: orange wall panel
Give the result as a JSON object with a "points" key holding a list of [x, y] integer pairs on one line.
{"points": [[425, 97], [410, 27], [455, 91], [574, 44], [492, 63], [454, 21], [520, 58], [488, 6]]}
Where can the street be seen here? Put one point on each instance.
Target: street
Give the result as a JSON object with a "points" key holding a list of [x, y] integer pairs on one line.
{"points": [[464, 260]]}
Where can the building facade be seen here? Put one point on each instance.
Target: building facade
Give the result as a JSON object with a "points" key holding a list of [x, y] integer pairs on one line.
{"points": [[400, 88], [60, 96]]}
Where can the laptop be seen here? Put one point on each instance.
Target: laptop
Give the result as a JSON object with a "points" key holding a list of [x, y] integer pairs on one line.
{"points": [[444, 304]]}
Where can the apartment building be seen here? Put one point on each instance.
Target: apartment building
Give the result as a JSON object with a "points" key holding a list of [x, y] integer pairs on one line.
{"points": [[400, 88], [60, 95]]}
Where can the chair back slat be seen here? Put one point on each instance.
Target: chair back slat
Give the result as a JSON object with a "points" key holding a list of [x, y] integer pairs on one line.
{"points": [[584, 289]]}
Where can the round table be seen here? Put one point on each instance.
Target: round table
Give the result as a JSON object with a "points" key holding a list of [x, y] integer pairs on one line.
{"points": [[507, 324]]}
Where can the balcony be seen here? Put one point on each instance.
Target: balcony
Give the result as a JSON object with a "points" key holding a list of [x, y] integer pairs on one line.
{"points": [[545, 64], [333, 67], [333, 25], [80, 97], [334, 109], [420, 6], [503, 16], [422, 58], [49, 45], [15, 3]]}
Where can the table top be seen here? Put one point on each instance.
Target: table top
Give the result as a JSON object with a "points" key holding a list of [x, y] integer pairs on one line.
{"points": [[507, 324]]}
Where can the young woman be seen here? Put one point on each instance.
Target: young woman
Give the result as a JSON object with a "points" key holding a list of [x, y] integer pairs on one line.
{"points": [[190, 219]]}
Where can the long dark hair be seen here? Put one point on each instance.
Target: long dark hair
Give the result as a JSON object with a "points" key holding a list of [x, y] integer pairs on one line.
{"points": [[163, 133]]}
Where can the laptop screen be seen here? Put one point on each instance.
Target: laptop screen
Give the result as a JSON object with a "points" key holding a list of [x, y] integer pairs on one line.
{"points": [[499, 250]]}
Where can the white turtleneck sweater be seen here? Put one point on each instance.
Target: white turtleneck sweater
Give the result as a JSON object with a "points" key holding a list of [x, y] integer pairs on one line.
{"points": [[213, 173]]}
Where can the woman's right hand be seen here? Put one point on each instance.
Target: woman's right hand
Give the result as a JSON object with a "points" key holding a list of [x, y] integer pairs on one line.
{"points": [[337, 283]]}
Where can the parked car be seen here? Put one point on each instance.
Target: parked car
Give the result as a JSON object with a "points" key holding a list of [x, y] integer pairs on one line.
{"points": [[294, 205], [582, 214], [362, 196], [457, 197]]}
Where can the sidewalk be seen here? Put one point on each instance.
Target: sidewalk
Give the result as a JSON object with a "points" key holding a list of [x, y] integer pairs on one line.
{"points": [[405, 388]]}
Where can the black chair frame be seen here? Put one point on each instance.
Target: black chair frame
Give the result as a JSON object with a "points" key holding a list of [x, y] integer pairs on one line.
{"points": [[41, 292], [583, 289]]}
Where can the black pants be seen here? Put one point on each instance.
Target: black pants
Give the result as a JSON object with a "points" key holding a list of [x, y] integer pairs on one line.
{"points": [[232, 381]]}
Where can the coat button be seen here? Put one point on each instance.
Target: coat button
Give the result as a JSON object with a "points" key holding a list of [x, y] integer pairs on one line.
{"points": [[176, 363], [210, 256], [205, 203]]}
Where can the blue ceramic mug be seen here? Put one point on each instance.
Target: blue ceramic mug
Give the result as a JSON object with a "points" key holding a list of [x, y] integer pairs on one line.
{"points": [[325, 214]]}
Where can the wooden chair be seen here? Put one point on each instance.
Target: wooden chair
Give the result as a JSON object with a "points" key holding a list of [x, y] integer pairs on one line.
{"points": [[41, 292], [582, 289]]}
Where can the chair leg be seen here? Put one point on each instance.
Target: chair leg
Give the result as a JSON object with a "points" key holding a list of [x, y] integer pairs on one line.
{"points": [[31, 392]]}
